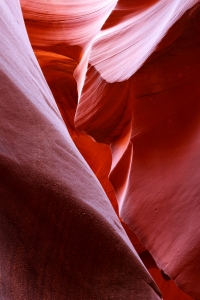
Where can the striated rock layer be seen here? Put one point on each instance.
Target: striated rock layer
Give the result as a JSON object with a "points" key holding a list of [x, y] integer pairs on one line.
{"points": [[124, 91], [60, 237], [152, 127]]}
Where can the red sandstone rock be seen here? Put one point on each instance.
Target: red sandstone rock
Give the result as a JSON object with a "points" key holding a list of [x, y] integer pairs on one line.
{"points": [[161, 203], [147, 119], [60, 237], [158, 192]]}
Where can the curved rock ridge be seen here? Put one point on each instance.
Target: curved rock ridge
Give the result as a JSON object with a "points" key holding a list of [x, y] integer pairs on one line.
{"points": [[66, 27], [125, 79], [58, 71], [163, 182], [160, 101], [120, 50], [60, 237], [60, 20]]}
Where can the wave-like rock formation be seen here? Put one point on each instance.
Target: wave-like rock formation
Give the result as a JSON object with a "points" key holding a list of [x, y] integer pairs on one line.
{"points": [[99, 149]]}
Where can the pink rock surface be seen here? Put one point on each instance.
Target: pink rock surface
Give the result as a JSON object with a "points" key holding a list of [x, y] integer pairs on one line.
{"points": [[158, 191], [162, 198], [60, 237], [113, 114]]}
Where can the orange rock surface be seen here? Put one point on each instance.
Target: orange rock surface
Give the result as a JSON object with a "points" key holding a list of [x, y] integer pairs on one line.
{"points": [[99, 149]]}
